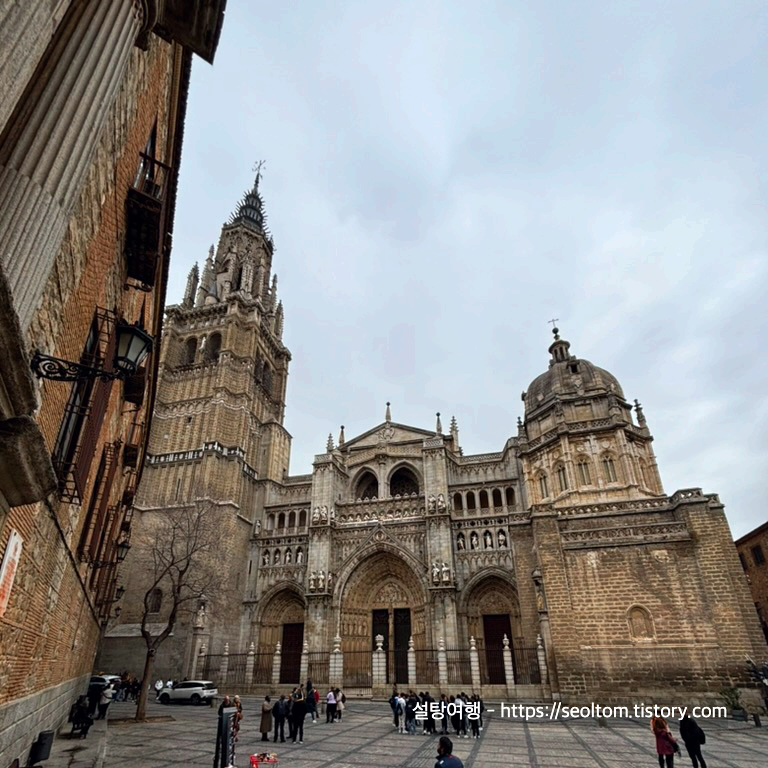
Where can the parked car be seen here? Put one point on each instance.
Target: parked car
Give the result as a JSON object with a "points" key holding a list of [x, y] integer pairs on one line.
{"points": [[193, 691], [102, 681]]}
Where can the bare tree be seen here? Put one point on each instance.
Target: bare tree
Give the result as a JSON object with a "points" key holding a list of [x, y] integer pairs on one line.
{"points": [[182, 548]]}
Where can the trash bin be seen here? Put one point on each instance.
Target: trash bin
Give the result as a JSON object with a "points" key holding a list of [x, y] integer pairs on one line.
{"points": [[41, 749]]}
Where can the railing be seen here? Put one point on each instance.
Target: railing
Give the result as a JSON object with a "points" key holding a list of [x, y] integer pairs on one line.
{"points": [[262, 668], [459, 666], [318, 667], [358, 669], [526, 663]]}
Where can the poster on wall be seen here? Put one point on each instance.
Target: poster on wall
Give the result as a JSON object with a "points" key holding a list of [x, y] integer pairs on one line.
{"points": [[8, 569]]}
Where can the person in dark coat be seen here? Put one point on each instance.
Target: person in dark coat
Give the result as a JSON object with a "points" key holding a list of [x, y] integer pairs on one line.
{"points": [[693, 737], [298, 713], [445, 756], [279, 712], [266, 719]]}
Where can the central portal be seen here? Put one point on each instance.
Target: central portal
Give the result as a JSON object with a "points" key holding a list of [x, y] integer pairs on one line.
{"points": [[394, 625]]}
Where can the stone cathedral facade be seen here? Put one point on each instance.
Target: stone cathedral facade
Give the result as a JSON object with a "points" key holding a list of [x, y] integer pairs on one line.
{"points": [[561, 546]]}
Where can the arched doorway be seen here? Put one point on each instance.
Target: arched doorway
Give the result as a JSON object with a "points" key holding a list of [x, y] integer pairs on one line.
{"points": [[382, 596], [282, 620], [492, 610]]}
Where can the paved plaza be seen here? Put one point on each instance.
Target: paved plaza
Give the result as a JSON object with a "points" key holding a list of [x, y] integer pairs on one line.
{"points": [[366, 737]]}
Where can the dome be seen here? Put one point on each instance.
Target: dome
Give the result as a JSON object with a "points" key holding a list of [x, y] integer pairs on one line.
{"points": [[569, 376]]}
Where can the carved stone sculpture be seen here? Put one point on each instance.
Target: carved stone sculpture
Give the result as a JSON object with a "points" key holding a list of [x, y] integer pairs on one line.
{"points": [[474, 540], [440, 502], [435, 573], [312, 581], [321, 581], [446, 574]]}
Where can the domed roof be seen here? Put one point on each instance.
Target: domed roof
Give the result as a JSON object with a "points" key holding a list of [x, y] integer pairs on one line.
{"points": [[569, 375]]}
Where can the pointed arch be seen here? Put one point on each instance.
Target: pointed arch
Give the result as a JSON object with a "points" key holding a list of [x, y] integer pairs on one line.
{"points": [[404, 480], [366, 485]]}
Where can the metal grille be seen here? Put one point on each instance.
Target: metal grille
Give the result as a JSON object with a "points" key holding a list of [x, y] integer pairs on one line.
{"points": [[459, 666], [262, 668], [358, 669], [526, 663], [318, 668], [426, 667], [236, 669]]}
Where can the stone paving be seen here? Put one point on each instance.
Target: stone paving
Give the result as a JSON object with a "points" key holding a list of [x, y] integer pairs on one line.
{"points": [[366, 737]]}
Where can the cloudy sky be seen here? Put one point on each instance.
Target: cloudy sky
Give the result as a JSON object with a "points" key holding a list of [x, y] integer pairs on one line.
{"points": [[443, 178]]}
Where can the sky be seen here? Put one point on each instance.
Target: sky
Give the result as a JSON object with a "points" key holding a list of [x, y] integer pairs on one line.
{"points": [[443, 178]]}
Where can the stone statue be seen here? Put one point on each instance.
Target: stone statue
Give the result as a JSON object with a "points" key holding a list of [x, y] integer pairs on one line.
{"points": [[276, 557], [288, 556], [474, 541], [488, 539], [257, 527], [200, 617], [333, 513], [299, 556], [431, 503], [446, 573], [435, 573], [315, 515], [321, 581], [460, 543], [330, 581], [440, 502], [323, 514], [265, 557], [502, 540], [312, 581]]}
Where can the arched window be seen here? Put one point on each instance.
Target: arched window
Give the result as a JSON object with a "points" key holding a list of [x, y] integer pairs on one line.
{"points": [[640, 623], [266, 379], [367, 486], [281, 521], [510, 494], [302, 520], [609, 470], [155, 601], [483, 499], [190, 350], [213, 348], [543, 486], [458, 502], [471, 503], [497, 497], [258, 368], [645, 474], [403, 483], [562, 478], [270, 524], [291, 519], [585, 476]]}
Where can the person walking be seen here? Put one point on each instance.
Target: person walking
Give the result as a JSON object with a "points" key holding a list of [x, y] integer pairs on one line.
{"points": [[693, 737], [299, 712], [445, 756], [311, 703], [341, 702], [106, 699], [266, 719], [666, 745], [279, 712], [330, 706]]}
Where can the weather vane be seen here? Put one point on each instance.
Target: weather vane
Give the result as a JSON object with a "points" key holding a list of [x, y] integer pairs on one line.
{"points": [[553, 321], [257, 166]]}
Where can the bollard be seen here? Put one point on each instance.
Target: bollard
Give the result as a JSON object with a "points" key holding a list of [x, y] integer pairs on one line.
{"points": [[41, 749]]}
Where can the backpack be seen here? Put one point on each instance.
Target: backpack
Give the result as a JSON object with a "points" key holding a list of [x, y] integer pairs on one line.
{"points": [[344, 701], [701, 735]]}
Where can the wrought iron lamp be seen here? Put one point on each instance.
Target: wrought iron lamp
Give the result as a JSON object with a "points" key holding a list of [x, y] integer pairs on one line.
{"points": [[121, 552], [133, 345]]}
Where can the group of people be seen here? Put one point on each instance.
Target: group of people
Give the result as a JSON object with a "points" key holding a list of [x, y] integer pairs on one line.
{"points": [[666, 744], [460, 713], [293, 709]]}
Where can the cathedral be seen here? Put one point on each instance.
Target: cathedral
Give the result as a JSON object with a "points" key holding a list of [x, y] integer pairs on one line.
{"points": [[554, 567]]}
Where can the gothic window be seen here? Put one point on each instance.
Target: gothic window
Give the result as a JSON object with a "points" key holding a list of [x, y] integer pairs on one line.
{"points": [[281, 521], [640, 623], [497, 497], [291, 519], [483, 499], [585, 477], [258, 368], [190, 350], [270, 524], [645, 474], [367, 487], [471, 503], [562, 478], [237, 275], [543, 486], [458, 502], [757, 554], [154, 601], [609, 470], [266, 379], [212, 348], [510, 496], [403, 483], [302, 519]]}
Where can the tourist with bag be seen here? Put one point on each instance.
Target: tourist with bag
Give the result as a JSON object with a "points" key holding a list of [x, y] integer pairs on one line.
{"points": [[693, 737], [666, 744]]}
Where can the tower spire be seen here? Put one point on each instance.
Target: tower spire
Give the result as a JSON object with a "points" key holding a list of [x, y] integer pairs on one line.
{"points": [[250, 210], [192, 280], [341, 436], [388, 414]]}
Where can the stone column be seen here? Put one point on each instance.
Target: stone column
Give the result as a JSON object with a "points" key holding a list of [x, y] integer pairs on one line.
{"points": [[474, 665], [379, 663], [542, 657], [249, 663], [509, 669], [276, 662], [442, 665], [54, 138], [198, 663], [224, 669], [336, 665], [411, 662], [304, 667]]}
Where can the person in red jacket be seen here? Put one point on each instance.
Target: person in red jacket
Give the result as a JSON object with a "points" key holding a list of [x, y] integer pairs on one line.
{"points": [[666, 745]]}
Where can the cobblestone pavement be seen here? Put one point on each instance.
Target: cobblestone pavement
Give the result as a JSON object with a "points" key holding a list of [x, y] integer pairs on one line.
{"points": [[366, 737]]}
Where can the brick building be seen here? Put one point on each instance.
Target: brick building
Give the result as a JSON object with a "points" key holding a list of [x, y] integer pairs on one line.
{"points": [[92, 104], [753, 554], [556, 566]]}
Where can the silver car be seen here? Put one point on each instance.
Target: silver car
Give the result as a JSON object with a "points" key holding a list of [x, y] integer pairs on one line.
{"points": [[193, 691]]}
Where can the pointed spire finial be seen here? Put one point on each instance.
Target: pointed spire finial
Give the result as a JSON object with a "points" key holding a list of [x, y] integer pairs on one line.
{"points": [[640, 415], [329, 444], [341, 436], [438, 425], [388, 414]]}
